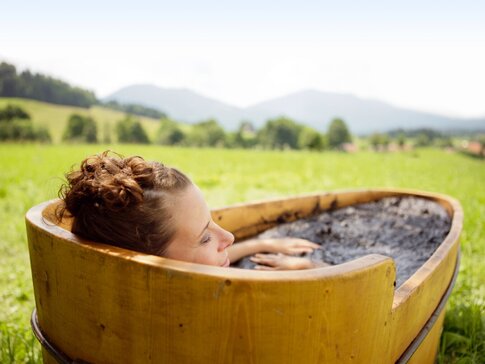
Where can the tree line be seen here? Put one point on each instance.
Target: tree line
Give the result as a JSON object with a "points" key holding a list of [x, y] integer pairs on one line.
{"points": [[421, 137], [279, 133], [134, 109], [39, 87]]}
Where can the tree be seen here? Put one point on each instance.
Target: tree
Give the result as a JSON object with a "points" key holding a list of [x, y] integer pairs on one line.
{"points": [[338, 134], [130, 130], [423, 140], [206, 133], [310, 139], [13, 112], [15, 124], [481, 140], [136, 109], [444, 142], [280, 133], [8, 80], [379, 141], [107, 133], [244, 137], [375, 140], [41, 87], [401, 140], [81, 129], [170, 133]]}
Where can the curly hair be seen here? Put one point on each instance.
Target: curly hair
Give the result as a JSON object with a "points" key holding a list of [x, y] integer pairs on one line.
{"points": [[122, 201]]}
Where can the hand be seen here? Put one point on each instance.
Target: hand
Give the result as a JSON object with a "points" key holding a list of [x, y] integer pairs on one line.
{"points": [[280, 262], [289, 246]]}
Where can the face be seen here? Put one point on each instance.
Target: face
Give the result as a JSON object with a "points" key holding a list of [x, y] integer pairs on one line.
{"points": [[197, 238]]}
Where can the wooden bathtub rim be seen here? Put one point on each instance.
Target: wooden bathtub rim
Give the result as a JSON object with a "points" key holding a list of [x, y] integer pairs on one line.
{"points": [[35, 217]]}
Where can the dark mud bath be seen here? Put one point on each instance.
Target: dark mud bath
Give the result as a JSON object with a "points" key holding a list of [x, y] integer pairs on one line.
{"points": [[407, 229]]}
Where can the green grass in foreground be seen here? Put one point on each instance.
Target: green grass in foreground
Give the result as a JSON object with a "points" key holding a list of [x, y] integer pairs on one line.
{"points": [[31, 174]]}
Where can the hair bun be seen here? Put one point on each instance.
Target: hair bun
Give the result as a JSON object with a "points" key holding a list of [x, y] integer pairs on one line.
{"points": [[105, 183]]}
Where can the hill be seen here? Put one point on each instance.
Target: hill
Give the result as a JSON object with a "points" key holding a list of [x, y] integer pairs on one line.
{"points": [[181, 104], [311, 107], [55, 117]]}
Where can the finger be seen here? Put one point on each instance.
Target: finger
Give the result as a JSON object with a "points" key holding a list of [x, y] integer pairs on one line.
{"points": [[302, 250], [264, 267], [270, 256], [267, 263], [263, 260], [310, 244]]}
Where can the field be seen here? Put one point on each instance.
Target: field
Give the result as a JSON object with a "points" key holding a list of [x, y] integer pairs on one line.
{"points": [[54, 117], [31, 174]]}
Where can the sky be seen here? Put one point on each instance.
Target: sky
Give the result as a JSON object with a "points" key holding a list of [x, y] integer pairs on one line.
{"points": [[422, 55]]}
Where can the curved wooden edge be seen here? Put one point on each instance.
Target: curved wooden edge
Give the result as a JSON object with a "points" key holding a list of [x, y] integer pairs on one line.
{"points": [[430, 324], [36, 220], [46, 343], [35, 217]]}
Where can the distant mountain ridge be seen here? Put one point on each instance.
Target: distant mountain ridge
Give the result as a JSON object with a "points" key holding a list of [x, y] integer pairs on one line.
{"points": [[310, 107]]}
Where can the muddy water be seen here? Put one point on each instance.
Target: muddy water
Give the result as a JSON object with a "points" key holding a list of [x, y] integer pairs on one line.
{"points": [[408, 229]]}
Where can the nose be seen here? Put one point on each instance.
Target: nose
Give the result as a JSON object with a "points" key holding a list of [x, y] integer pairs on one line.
{"points": [[227, 238]]}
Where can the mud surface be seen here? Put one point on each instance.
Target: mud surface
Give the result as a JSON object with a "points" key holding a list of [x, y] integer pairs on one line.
{"points": [[408, 229]]}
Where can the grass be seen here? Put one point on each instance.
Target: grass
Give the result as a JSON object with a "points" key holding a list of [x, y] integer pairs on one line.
{"points": [[31, 174]]}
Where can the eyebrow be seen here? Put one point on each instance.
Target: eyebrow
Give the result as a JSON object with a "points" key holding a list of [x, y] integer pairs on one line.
{"points": [[204, 229]]}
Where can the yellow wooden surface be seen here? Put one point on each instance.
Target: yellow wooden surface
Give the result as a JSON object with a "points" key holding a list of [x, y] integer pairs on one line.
{"points": [[105, 304], [47, 358], [426, 352]]}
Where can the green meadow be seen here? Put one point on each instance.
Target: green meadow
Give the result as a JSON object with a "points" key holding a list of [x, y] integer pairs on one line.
{"points": [[30, 174], [55, 117]]}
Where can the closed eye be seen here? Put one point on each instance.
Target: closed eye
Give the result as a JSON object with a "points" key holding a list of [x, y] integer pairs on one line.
{"points": [[205, 240]]}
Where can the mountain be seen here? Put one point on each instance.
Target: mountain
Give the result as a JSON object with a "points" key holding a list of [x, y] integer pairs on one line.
{"points": [[310, 107], [317, 108], [180, 104]]}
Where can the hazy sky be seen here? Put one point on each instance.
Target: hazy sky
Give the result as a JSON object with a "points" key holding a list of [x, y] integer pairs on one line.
{"points": [[417, 54]]}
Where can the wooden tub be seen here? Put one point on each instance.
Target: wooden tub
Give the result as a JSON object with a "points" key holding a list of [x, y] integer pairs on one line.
{"points": [[103, 304]]}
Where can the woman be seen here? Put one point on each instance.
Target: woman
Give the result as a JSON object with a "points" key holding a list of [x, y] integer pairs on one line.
{"points": [[155, 209]]}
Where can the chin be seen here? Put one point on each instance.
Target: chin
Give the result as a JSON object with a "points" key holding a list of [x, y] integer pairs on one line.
{"points": [[226, 263]]}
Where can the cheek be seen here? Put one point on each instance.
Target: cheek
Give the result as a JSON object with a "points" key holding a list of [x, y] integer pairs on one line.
{"points": [[208, 254]]}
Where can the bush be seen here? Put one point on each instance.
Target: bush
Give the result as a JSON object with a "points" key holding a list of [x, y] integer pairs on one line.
{"points": [[379, 141], [310, 139], [130, 130], [244, 137], [81, 129], [13, 112], [15, 125], [169, 133], [207, 134]]}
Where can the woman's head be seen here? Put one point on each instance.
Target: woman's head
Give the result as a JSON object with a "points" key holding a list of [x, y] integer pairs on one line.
{"points": [[143, 206]]}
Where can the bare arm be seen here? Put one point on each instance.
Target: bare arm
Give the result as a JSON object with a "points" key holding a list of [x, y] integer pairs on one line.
{"points": [[284, 262], [283, 245]]}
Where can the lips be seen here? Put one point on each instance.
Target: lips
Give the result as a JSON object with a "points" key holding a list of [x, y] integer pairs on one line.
{"points": [[226, 263]]}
